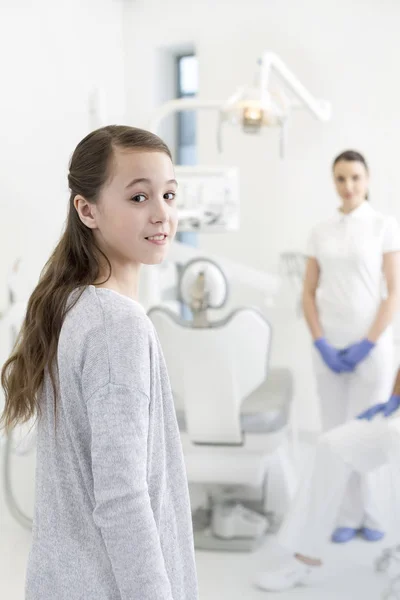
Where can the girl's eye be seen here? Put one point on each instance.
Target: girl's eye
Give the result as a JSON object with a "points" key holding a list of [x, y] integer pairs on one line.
{"points": [[139, 198], [169, 196]]}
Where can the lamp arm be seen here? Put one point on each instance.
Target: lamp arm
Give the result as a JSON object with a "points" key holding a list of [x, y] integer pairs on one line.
{"points": [[318, 108], [178, 105]]}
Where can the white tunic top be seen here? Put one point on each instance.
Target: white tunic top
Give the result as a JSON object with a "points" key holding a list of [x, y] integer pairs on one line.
{"points": [[349, 249]]}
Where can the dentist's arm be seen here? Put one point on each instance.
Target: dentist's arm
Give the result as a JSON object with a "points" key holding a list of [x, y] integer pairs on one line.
{"points": [[389, 306], [329, 355], [357, 352], [396, 388], [310, 310]]}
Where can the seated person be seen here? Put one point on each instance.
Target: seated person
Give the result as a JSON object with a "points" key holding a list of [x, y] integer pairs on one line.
{"points": [[362, 445]]}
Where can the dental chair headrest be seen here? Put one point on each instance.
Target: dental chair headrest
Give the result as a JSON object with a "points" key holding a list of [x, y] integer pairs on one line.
{"points": [[202, 283]]}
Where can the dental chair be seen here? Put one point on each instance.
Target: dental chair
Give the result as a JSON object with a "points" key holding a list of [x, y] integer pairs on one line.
{"points": [[232, 410]]}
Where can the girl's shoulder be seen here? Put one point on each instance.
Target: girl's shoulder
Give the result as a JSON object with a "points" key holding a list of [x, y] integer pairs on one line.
{"points": [[101, 311]]}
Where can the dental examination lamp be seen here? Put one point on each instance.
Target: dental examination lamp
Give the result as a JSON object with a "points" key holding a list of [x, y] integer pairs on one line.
{"points": [[258, 106], [266, 105]]}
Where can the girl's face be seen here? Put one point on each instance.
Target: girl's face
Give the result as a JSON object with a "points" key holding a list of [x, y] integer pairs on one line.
{"points": [[136, 214], [351, 181]]}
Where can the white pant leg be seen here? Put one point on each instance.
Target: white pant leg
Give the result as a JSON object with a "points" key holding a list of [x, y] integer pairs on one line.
{"points": [[351, 512], [371, 383], [361, 446], [332, 389]]}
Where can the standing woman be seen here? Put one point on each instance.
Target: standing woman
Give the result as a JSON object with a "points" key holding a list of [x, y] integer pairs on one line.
{"points": [[112, 514], [351, 295]]}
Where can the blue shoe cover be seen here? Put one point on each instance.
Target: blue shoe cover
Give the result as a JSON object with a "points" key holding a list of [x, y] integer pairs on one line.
{"points": [[372, 535], [341, 535]]}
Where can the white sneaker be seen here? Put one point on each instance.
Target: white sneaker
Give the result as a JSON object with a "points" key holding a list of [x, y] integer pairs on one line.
{"points": [[291, 573]]}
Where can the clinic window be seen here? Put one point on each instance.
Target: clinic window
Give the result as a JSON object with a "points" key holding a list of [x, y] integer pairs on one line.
{"points": [[187, 87]]}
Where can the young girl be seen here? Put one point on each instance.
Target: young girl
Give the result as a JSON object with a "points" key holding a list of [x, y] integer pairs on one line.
{"points": [[112, 515]]}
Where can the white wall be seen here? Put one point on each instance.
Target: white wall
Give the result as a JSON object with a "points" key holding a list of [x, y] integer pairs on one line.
{"points": [[53, 54], [344, 52]]}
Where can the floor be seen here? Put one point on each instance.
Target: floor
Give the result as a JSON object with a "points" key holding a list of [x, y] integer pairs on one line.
{"points": [[348, 573]]}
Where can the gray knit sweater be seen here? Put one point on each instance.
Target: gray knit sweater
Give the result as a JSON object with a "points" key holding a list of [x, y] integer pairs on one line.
{"points": [[112, 516]]}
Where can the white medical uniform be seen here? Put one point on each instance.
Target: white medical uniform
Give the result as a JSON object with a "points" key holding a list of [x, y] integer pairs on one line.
{"points": [[349, 249], [358, 446]]}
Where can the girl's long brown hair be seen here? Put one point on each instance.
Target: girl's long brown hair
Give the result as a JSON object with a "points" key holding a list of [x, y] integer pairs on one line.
{"points": [[75, 263]]}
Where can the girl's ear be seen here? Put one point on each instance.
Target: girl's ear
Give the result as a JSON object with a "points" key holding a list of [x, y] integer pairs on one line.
{"points": [[86, 211]]}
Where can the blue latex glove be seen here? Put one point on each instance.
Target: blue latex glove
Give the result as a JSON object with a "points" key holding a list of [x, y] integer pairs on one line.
{"points": [[386, 408], [330, 356], [355, 353]]}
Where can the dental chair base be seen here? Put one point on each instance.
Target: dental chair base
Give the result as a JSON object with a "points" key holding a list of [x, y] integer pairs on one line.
{"points": [[237, 518], [233, 520], [229, 528]]}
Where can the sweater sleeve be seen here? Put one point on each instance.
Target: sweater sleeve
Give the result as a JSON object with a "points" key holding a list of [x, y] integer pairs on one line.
{"points": [[117, 384], [119, 421]]}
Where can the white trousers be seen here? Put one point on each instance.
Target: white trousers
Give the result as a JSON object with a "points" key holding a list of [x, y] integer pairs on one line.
{"points": [[342, 397], [359, 447]]}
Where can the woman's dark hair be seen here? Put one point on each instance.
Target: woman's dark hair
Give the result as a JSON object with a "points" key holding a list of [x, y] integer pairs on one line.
{"points": [[75, 263], [351, 156]]}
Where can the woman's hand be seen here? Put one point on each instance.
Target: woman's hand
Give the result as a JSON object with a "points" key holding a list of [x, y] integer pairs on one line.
{"points": [[331, 356], [356, 353], [386, 408]]}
